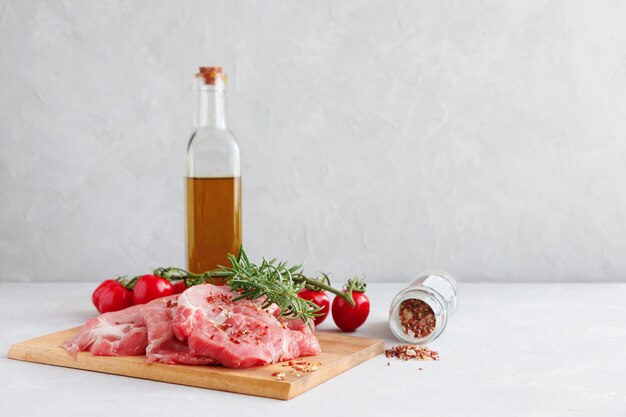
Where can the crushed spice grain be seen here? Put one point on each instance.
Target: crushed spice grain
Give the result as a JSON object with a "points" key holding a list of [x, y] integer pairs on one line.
{"points": [[417, 352], [302, 367], [280, 375], [417, 318]]}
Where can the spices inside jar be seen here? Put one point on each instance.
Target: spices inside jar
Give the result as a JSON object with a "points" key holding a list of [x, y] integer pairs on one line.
{"points": [[419, 313], [417, 318]]}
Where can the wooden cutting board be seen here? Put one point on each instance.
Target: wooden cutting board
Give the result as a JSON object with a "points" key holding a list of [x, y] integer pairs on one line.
{"points": [[339, 354]]}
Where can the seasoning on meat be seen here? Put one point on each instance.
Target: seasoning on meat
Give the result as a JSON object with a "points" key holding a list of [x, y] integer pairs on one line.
{"points": [[238, 334]]}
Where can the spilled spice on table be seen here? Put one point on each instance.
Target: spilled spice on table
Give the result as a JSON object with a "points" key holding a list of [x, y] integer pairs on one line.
{"points": [[417, 352]]}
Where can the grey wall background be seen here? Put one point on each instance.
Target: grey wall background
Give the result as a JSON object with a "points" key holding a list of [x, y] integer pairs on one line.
{"points": [[382, 138]]}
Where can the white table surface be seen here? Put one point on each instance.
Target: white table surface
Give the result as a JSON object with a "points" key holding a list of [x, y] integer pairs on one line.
{"points": [[510, 350]]}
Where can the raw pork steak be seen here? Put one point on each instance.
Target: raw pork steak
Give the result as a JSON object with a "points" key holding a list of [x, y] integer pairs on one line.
{"points": [[120, 333], [238, 334], [163, 346]]}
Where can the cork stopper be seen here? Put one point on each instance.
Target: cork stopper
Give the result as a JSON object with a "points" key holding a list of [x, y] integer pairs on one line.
{"points": [[211, 75]]}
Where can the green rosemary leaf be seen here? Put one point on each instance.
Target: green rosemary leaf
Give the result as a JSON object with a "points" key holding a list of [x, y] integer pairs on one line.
{"points": [[271, 282]]}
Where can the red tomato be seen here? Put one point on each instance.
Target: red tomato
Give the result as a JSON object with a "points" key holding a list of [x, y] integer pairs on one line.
{"points": [[179, 287], [150, 287], [95, 297], [319, 298], [113, 297], [349, 318]]}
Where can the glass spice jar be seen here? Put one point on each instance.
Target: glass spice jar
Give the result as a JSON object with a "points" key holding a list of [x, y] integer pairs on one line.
{"points": [[420, 312]]}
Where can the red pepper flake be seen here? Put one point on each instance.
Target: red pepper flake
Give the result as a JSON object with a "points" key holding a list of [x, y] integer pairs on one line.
{"points": [[302, 367], [223, 326], [417, 352], [417, 318], [279, 375], [219, 297]]}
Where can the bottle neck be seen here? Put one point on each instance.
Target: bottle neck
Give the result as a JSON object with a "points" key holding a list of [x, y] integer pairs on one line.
{"points": [[210, 107]]}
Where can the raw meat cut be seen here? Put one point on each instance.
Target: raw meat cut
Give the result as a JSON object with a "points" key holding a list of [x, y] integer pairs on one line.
{"points": [[163, 346], [119, 333], [238, 334], [202, 326]]}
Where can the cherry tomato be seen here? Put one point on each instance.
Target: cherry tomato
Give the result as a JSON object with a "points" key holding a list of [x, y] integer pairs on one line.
{"points": [[179, 287], [349, 318], [95, 297], [113, 297], [319, 298], [150, 287]]}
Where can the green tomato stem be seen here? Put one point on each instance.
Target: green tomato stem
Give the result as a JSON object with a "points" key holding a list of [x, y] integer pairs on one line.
{"points": [[320, 284]]}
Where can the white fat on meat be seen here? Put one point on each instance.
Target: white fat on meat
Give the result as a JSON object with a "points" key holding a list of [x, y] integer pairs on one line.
{"points": [[120, 333]]}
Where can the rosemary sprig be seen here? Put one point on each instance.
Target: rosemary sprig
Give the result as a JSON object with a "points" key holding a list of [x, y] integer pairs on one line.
{"points": [[278, 282]]}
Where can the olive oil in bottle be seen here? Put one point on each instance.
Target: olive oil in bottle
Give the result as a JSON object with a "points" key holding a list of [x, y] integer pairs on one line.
{"points": [[213, 182]]}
